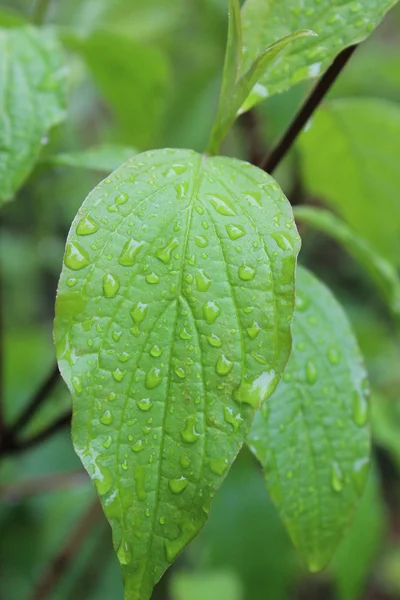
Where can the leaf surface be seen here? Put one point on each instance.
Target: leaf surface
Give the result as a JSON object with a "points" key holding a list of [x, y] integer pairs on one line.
{"points": [[172, 326], [338, 25], [312, 436], [32, 100], [106, 157], [357, 171], [380, 270]]}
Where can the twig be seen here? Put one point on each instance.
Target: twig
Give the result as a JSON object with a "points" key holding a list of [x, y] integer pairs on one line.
{"points": [[62, 560], [312, 102], [16, 492]]}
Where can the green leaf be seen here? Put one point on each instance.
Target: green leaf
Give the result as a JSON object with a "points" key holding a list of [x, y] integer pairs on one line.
{"points": [[106, 157], [32, 100], [386, 425], [352, 563], [172, 326], [357, 171], [132, 77], [231, 103], [312, 437], [210, 585], [381, 271], [337, 23]]}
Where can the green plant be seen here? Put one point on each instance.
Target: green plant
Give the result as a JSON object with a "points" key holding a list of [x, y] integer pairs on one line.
{"points": [[183, 327]]}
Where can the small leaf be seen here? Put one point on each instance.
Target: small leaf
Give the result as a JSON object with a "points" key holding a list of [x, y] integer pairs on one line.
{"points": [[357, 172], [32, 100], [338, 25], [312, 437], [106, 157], [171, 329], [381, 271], [230, 104]]}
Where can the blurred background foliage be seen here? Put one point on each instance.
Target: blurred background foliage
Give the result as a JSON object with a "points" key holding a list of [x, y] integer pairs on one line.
{"points": [[147, 74]]}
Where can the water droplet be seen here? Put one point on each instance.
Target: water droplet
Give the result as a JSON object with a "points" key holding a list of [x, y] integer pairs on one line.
{"points": [[336, 477], [138, 446], [360, 471], [201, 241], [233, 419], [155, 351], [77, 384], [152, 278], [71, 281], [162, 520], [203, 282], [260, 358], [138, 314], [334, 356], [189, 433], [283, 241], [107, 442], [178, 485], [116, 335], [255, 392], [106, 418], [253, 198], [112, 396], [164, 254], [246, 273], [124, 357], [129, 252], [204, 224], [254, 330], [144, 404], [360, 409], [181, 189], [118, 375], [311, 372], [140, 474], [86, 226], [110, 285], [214, 341], [211, 312], [124, 554], [224, 365], [235, 231], [184, 461], [153, 378], [222, 205], [218, 465], [121, 198], [75, 258], [180, 372]]}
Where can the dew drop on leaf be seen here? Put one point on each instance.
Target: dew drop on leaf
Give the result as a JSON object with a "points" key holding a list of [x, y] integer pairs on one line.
{"points": [[76, 258]]}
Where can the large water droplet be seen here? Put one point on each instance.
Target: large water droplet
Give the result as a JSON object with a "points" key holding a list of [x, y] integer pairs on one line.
{"points": [[203, 282], [185, 335], [153, 378], [189, 433], [138, 446], [360, 471], [224, 365], [334, 356], [121, 198], [178, 485], [222, 205], [214, 341], [75, 258], [181, 189], [155, 351], [260, 358], [211, 312], [235, 231], [185, 461], [118, 375], [129, 252], [246, 273], [256, 391], [77, 384], [311, 372], [201, 241], [180, 372], [360, 409], [152, 278], [107, 442], [110, 285], [232, 418], [144, 404], [124, 554], [138, 314], [254, 330], [86, 226], [218, 465], [106, 418], [336, 477], [283, 241], [164, 254]]}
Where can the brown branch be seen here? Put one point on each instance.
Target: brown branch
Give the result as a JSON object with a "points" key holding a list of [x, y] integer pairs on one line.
{"points": [[16, 492], [58, 566], [313, 101]]}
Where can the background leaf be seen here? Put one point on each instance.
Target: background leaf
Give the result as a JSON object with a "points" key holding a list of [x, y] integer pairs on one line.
{"points": [[357, 172], [337, 23], [312, 437], [169, 339], [32, 100], [107, 157]]}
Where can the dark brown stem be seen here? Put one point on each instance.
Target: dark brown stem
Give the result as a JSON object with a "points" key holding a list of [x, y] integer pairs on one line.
{"points": [[60, 563], [313, 101]]}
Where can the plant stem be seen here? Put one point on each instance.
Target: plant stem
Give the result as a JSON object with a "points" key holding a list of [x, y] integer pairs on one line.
{"points": [[40, 10], [270, 163], [44, 484]]}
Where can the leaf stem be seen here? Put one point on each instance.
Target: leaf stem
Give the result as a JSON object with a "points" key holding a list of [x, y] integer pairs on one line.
{"points": [[270, 163]]}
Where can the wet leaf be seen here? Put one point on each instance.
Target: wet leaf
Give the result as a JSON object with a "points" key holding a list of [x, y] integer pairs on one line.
{"points": [[32, 100], [338, 25], [312, 436], [172, 326]]}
